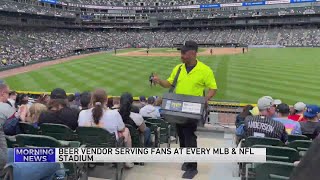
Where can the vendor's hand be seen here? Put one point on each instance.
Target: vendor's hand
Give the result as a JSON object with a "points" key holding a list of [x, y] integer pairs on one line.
{"points": [[156, 78]]}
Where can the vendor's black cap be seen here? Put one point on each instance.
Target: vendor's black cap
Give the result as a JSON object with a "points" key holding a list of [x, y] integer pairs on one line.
{"points": [[189, 45]]}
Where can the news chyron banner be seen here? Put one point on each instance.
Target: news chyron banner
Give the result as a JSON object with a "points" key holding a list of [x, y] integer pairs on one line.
{"points": [[178, 155]]}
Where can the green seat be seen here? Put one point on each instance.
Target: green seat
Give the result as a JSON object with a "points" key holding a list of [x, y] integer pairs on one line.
{"points": [[99, 137], [11, 141], [276, 153], [155, 130], [7, 173], [165, 130], [30, 140], [273, 170], [27, 128], [58, 131], [137, 137], [300, 145], [297, 137], [250, 141]]}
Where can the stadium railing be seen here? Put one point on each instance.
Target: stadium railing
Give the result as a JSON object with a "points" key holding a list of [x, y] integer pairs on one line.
{"points": [[213, 103]]}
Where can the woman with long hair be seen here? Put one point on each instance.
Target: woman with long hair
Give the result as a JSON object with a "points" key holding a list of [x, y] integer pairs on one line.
{"points": [[133, 119], [44, 99], [22, 106], [240, 122], [242, 116], [100, 116], [34, 113]]}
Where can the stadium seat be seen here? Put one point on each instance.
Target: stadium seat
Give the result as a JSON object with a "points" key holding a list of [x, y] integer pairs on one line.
{"points": [[300, 145], [273, 170], [284, 154], [11, 141], [99, 137], [155, 130], [7, 173], [27, 128], [136, 136], [297, 137], [250, 141], [75, 170], [58, 131], [165, 130]]}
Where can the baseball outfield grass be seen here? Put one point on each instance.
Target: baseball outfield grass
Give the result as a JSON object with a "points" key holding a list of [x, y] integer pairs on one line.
{"points": [[290, 74]]}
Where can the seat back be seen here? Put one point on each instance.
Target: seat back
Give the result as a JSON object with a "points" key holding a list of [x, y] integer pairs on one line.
{"points": [[165, 129], [11, 142], [137, 138], [250, 141], [31, 140], [273, 170], [300, 145], [292, 137], [58, 131], [96, 137], [27, 128], [279, 153]]}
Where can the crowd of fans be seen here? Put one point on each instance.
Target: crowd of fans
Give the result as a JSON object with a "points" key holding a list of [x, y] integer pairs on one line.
{"points": [[276, 119], [12, 6], [25, 45], [90, 109]]}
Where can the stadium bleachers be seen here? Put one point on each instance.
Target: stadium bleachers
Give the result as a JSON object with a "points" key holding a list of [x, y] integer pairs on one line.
{"points": [[27, 45]]}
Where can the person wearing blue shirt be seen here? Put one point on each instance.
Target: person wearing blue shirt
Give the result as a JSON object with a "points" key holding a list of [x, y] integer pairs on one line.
{"points": [[292, 127]]}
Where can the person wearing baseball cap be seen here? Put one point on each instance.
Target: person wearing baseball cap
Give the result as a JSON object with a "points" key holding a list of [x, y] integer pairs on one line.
{"points": [[59, 110], [191, 77], [149, 110], [263, 125], [298, 110], [311, 127], [292, 127]]}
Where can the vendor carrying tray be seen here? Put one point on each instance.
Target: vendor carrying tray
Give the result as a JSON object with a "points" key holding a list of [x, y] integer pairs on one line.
{"points": [[183, 109]]}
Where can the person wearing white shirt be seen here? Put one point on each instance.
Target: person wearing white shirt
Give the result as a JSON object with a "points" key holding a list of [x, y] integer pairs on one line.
{"points": [[101, 116], [149, 110]]}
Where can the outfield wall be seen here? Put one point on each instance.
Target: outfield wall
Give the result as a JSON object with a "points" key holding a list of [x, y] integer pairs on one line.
{"points": [[213, 103]]}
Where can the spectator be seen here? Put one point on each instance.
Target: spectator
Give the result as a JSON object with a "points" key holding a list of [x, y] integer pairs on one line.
{"points": [[6, 111], [149, 110], [143, 102], [311, 127], [12, 98], [240, 122], [101, 116], [133, 119], [59, 112], [292, 127], [158, 104], [85, 99], [72, 102], [242, 116], [22, 106], [298, 110], [77, 99], [262, 125], [115, 103], [44, 99], [34, 113]]}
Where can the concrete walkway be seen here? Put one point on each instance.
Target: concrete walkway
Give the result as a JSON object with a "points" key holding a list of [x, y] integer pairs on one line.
{"points": [[171, 171]]}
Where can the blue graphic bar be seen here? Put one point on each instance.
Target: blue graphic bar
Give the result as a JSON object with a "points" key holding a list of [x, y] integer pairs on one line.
{"points": [[34, 155]]}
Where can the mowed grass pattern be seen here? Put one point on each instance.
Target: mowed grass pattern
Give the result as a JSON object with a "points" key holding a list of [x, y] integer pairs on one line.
{"points": [[290, 74]]}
